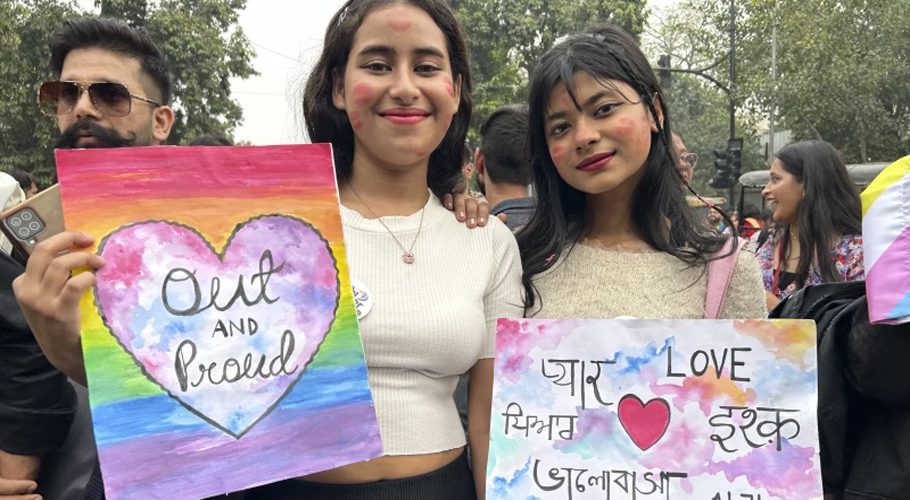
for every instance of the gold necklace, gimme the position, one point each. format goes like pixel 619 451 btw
pixel 407 253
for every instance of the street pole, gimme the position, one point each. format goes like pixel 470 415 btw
pixel 773 90
pixel 732 92
pixel 732 68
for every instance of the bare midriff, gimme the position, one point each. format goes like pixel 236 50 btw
pixel 387 467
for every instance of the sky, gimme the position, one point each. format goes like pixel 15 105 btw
pixel 287 37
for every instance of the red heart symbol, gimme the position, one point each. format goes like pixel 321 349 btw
pixel 644 423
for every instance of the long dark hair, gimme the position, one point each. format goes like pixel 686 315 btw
pixel 326 123
pixel 659 209
pixel 831 207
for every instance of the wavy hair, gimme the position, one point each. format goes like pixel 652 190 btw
pixel 831 207
pixel 658 207
pixel 326 123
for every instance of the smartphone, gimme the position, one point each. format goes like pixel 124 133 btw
pixel 33 221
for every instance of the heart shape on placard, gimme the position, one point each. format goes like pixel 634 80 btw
pixel 228 334
pixel 644 423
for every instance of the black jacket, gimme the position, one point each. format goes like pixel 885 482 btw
pixel 36 402
pixel 863 393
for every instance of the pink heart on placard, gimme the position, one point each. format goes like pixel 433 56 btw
pixel 644 423
pixel 227 334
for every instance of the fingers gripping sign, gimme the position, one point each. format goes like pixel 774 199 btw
pixel 49 295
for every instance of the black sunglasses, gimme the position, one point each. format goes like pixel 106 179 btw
pixel 111 99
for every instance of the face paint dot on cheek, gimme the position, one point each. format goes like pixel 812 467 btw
pixel 363 94
pixel 625 127
pixel 556 154
pixel 356 122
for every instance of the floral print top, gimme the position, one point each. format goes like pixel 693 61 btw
pixel 847 255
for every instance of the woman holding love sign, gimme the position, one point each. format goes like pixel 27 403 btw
pixel 392 93
pixel 612 235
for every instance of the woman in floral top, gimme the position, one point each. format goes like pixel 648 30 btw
pixel 816 211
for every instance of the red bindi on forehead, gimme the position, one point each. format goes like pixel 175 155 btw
pixel 400 24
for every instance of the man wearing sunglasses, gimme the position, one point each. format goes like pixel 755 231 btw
pixel 111 90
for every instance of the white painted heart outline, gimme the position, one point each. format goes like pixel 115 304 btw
pixel 305 280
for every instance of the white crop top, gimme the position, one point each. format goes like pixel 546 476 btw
pixel 430 321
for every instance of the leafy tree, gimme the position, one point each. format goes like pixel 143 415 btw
pixel 206 48
pixel 842 66
pixel 699 110
pixel 27 136
pixel 201 40
pixel 508 37
pixel 843 69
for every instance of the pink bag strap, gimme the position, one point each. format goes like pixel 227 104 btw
pixel 720 272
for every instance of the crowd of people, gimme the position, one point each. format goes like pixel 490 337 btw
pixel 589 174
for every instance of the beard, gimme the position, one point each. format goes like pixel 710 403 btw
pixel 105 137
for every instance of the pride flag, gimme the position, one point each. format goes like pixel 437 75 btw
pixel 886 244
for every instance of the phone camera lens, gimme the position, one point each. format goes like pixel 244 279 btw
pixel 26 216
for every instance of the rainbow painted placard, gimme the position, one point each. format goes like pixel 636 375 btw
pixel 221 342
pixel 886 244
pixel 647 409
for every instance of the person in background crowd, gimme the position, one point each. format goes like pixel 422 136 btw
pixel 612 234
pixel 467 168
pixel 817 214
pixel 26 181
pixel 503 166
pixel 685 161
pixel 751 222
pixel 863 396
pixel 11 194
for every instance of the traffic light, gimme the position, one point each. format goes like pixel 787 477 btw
pixel 735 149
pixel 663 72
pixel 722 177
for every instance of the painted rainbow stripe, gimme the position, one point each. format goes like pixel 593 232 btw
pixel 886 244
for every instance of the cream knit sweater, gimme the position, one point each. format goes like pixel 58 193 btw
pixel 593 282
pixel 430 321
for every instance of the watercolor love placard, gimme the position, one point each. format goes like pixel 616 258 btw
pixel 647 409
pixel 220 341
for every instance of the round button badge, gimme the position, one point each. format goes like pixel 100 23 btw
pixel 363 298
